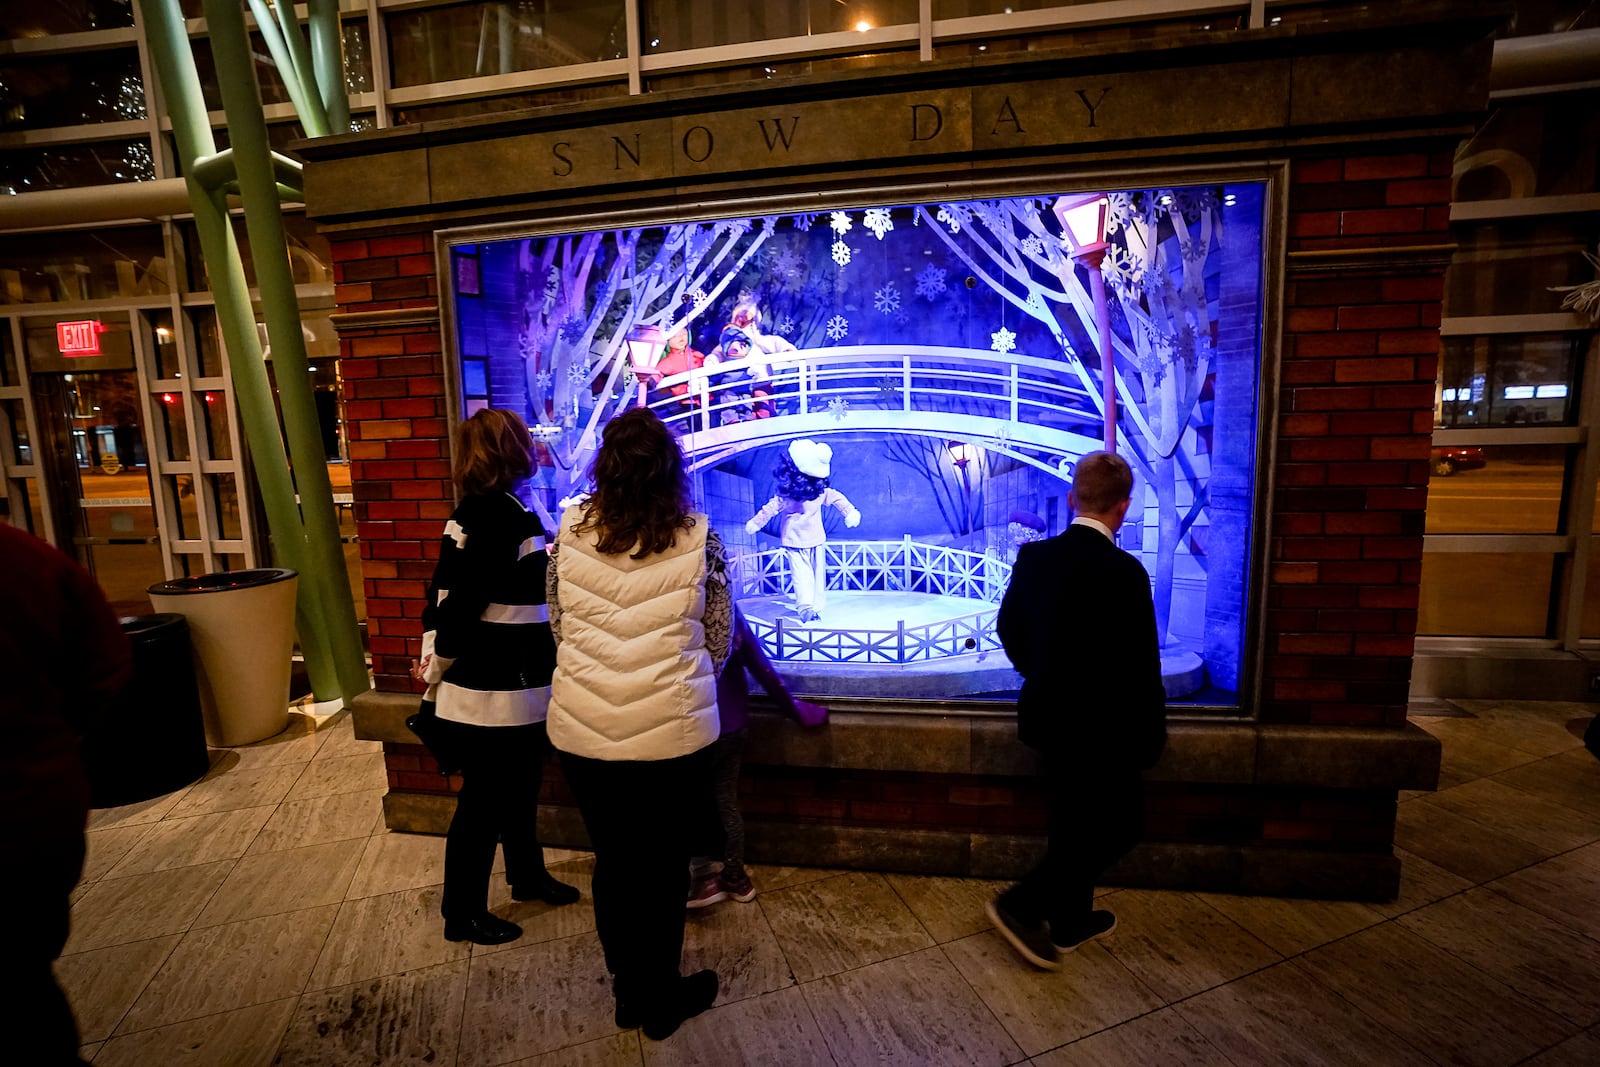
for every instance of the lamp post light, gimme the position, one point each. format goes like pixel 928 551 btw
pixel 1083 225
pixel 961 454
pixel 646 345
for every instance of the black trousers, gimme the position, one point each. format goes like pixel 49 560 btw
pixel 501 770
pixel 1095 818
pixel 644 818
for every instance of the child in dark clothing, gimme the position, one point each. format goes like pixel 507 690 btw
pixel 708 885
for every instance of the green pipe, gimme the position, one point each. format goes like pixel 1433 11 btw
pixel 180 84
pixel 327 62
pixel 300 52
pixel 283 59
pixel 252 156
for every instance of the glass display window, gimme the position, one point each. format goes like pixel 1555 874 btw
pixel 947 353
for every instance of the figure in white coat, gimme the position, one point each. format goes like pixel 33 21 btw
pixel 802 475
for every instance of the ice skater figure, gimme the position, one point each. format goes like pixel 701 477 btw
pixel 802 475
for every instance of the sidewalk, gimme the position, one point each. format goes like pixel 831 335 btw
pixel 264 915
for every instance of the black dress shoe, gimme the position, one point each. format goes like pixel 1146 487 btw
pixel 485 929
pixel 547 889
pixel 693 995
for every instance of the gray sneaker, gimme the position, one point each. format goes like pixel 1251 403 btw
pixel 1099 924
pixel 1031 940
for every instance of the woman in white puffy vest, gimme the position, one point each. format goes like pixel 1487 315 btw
pixel 641 614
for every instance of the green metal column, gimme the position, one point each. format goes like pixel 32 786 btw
pixel 327 62
pixel 247 128
pixel 191 128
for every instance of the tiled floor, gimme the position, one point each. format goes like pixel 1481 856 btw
pixel 265 916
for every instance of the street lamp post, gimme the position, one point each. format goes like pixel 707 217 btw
pixel 645 347
pixel 961 454
pixel 1083 226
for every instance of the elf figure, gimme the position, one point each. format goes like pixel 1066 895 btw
pixel 802 476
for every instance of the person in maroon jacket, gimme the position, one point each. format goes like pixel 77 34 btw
pixel 68 660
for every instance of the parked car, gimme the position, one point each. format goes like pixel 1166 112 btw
pixel 1447 460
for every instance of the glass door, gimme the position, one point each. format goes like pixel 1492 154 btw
pixel 95 452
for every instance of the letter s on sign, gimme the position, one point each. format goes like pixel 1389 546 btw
pixel 556 150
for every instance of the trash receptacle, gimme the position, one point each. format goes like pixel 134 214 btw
pixel 241 624
pixel 152 740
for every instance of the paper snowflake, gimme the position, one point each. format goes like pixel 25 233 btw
pixel 954 216
pixel 786 326
pixel 1032 246
pixel 577 374
pixel 1002 341
pixel 878 221
pixel 698 297
pixel 841 253
pixel 838 328
pixel 786 263
pixel 930 281
pixel 837 407
pixel 889 390
pixel 541 382
pixel 572 330
pixel 901 318
pixel 803 222
pixel 887 299
pixel 840 222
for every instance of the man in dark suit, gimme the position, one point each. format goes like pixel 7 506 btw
pixel 1079 625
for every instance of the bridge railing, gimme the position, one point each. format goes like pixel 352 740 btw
pixel 1014 387
pixel 884 567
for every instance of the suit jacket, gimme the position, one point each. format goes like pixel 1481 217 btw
pixel 1079 624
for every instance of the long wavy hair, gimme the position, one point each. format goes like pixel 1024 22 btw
pixel 494 452
pixel 641 487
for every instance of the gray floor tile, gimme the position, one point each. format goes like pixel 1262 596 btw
pixel 1565 888
pixel 411 1018
pixel 1177 945
pixel 391 862
pixel 184 842
pixel 618 1050
pixel 774 1030
pixel 1572 779
pixel 1294 926
pixel 102 984
pixel 1461 845
pixel 383 935
pixel 284 881
pixel 836 924
pixel 237 787
pixel 1421 883
pixel 106 848
pixel 1583 1050
pixel 736 941
pixel 948 908
pixel 347 774
pixel 340 817
pixel 245 1037
pixel 115 911
pixel 1162 1037
pixel 536 999
pixel 1542 823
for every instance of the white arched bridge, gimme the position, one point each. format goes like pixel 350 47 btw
pixel 1045 413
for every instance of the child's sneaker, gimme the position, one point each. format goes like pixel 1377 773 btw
pixel 706 892
pixel 739 887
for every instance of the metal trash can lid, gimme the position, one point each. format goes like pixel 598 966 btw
pixel 143 627
pixel 221 581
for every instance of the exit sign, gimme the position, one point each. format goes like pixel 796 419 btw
pixel 80 338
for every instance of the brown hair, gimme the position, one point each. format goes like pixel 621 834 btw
pixel 494 452
pixel 641 487
pixel 1101 482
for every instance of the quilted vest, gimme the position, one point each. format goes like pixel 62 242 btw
pixel 633 679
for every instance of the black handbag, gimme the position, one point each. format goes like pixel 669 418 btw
pixel 438 735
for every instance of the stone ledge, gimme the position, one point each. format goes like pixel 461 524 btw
pixel 908 738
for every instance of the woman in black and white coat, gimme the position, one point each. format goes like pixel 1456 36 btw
pixel 489 665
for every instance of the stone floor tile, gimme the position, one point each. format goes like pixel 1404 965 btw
pixel 101 985
pixel 235 788
pixel 540 921
pixel 1544 960
pixel 284 881
pixel 1543 823
pixel 1041 1009
pixel 835 924
pixel 87 1052
pixel 339 739
pixel 1571 779
pixel 1535 736
pixel 736 941
pixel 382 935
pixel 1582 1050
pixel 197 839
pixel 1161 1037
pixel 948 908
pixel 295 744
pixel 618 1050
pixel 770 877
pixel 246 1037
pixel 347 774
pixel 412 1018
pixel 773 1030
pixel 339 817
pixel 222 968
pixel 1421 883
pixel 1293 926
pixel 1433 1000
pixel 1465 757
pixel 1177 945
pixel 1282 1017
pixel 393 861
pixel 1461 845
pixel 115 911
pixel 106 848
pixel 140 813
pixel 536 999
pixel 913 1009
pixel 1565 888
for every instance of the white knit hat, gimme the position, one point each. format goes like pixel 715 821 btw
pixel 810 457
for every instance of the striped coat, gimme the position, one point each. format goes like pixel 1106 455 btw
pixel 492 650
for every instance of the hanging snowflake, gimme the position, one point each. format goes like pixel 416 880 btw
pixel 786 327
pixel 837 407
pixel 1002 341
pixel 954 216
pixel 698 297
pixel 541 382
pixel 601 290
pixel 572 330
pixel 577 374
pixel 803 222
pixel 838 328
pixel 840 222
pixel 1032 246
pixel 887 299
pixel 786 263
pixel 878 221
pixel 930 281
pixel 889 390
pixel 841 253
pixel 1118 211
pixel 901 318
pixel 989 214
